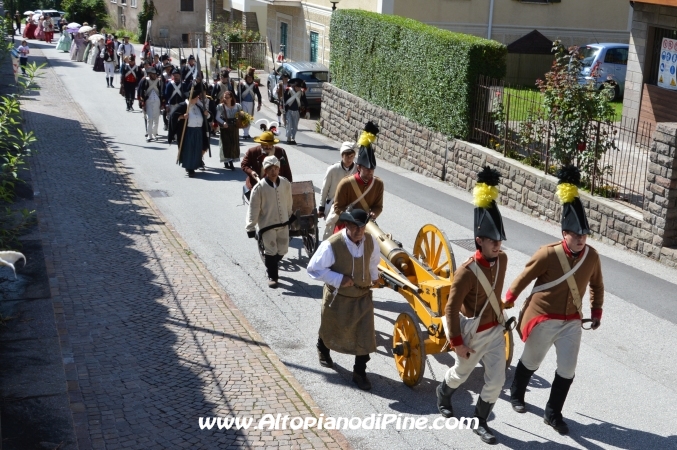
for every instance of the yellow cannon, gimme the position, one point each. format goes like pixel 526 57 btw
pixel 424 279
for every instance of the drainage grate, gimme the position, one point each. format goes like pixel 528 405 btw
pixel 468 244
pixel 158 193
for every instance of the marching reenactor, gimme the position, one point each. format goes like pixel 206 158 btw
pixel 225 84
pixel 363 190
pixel 553 312
pixel 252 163
pixel 335 173
pixel 151 101
pixel 294 101
pixel 195 141
pixel 130 76
pixel 109 61
pixel 270 211
pixel 347 263
pixel 173 96
pixel 280 89
pixel 189 73
pixel 474 319
pixel 247 89
pixel 125 50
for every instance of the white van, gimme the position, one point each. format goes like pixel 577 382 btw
pixel 608 62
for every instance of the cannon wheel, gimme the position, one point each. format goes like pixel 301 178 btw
pixel 509 347
pixel 411 363
pixel 433 248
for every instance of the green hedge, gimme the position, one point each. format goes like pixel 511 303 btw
pixel 418 71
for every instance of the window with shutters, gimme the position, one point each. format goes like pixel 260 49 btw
pixel 283 38
pixel 186 5
pixel 314 39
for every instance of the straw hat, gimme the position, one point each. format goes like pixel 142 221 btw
pixel 266 137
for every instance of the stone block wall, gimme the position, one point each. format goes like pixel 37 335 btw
pixel 524 188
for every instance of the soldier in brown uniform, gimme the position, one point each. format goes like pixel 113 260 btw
pixel 474 312
pixel 552 314
pixel 347 263
pixel 362 190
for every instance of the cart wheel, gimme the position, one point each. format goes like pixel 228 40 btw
pixel 509 347
pixel 432 247
pixel 309 243
pixel 408 350
pixel 262 251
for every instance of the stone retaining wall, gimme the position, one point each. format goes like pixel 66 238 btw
pixel 524 188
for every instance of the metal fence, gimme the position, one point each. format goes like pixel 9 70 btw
pixel 504 119
pixel 243 54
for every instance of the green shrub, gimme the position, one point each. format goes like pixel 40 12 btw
pixel 416 70
pixel 90 11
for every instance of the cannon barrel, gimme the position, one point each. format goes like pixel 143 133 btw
pixel 390 249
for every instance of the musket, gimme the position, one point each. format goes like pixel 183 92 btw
pixel 185 123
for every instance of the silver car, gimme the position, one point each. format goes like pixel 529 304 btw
pixel 313 74
pixel 605 64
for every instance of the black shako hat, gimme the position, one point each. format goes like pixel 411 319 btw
pixel 573 213
pixel 191 57
pixel 357 216
pixel 365 153
pixel 488 222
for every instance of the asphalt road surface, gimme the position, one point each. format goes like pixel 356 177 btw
pixel 624 393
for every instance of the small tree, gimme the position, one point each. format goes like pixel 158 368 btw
pixel 576 119
pixel 147 13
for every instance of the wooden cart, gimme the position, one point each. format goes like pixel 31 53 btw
pixel 423 278
pixel 305 210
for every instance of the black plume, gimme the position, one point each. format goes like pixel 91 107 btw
pixel 489 176
pixel 371 127
pixel 263 127
pixel 569 174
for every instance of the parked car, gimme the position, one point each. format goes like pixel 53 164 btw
pixel 313 74
pixel 605 64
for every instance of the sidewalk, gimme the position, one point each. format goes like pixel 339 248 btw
pixel 149 340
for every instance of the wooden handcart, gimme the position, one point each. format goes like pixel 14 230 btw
pixel 423 277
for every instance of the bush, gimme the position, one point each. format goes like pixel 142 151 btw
pixel 90 11
pixel 147 13
pixel 421 72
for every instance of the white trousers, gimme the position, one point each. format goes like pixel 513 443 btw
pixel 276 241
pixel 565 335
pixel 152 116
pixel 292 124
pixel 110 69
pixel 489 346
pixel 247 107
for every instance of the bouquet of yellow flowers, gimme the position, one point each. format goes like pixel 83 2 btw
pixel 243 119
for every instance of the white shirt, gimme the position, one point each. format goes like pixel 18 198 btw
pixel 126 50
pixel 335 173
pixel 319 265
pixel 194 116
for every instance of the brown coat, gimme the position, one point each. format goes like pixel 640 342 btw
pixel 556 302
pixel 253 163
pixel 468 297
pixel 345 195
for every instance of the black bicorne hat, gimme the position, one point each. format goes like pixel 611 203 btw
pixel 488 222
pixel 573 212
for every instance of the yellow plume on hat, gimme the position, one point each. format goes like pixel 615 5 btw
pixel 483 195
pixel 566 192
pixel 366 139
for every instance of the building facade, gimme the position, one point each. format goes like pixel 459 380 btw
pixel 651 81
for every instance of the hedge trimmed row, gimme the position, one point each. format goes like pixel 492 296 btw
pixel 416 70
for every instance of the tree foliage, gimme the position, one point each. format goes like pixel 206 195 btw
pixel 418 71
pixel 90 11
pixel 147 13
pixel 222 32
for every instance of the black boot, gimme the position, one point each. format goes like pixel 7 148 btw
pixel 271 269
pixel 553 410
pixel 519 387
pixel 111 82
pixel 444 393
pixel 482 411
pixel 324 354
pixel 107 82
pixel 360 372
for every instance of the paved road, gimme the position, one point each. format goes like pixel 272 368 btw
pixel 624 395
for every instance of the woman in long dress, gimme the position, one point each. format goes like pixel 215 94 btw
pixel 81 42
pixel 98 59
pixel 65 41
pixel 88 48
pixel 40 33
pixel 229 140
pixel 196 139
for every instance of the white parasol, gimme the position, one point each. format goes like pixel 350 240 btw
pixel 86 29
pixel 29 13
pixel 95 37
pixel 73 25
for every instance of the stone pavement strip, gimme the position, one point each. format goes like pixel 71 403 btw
pixel 150 342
